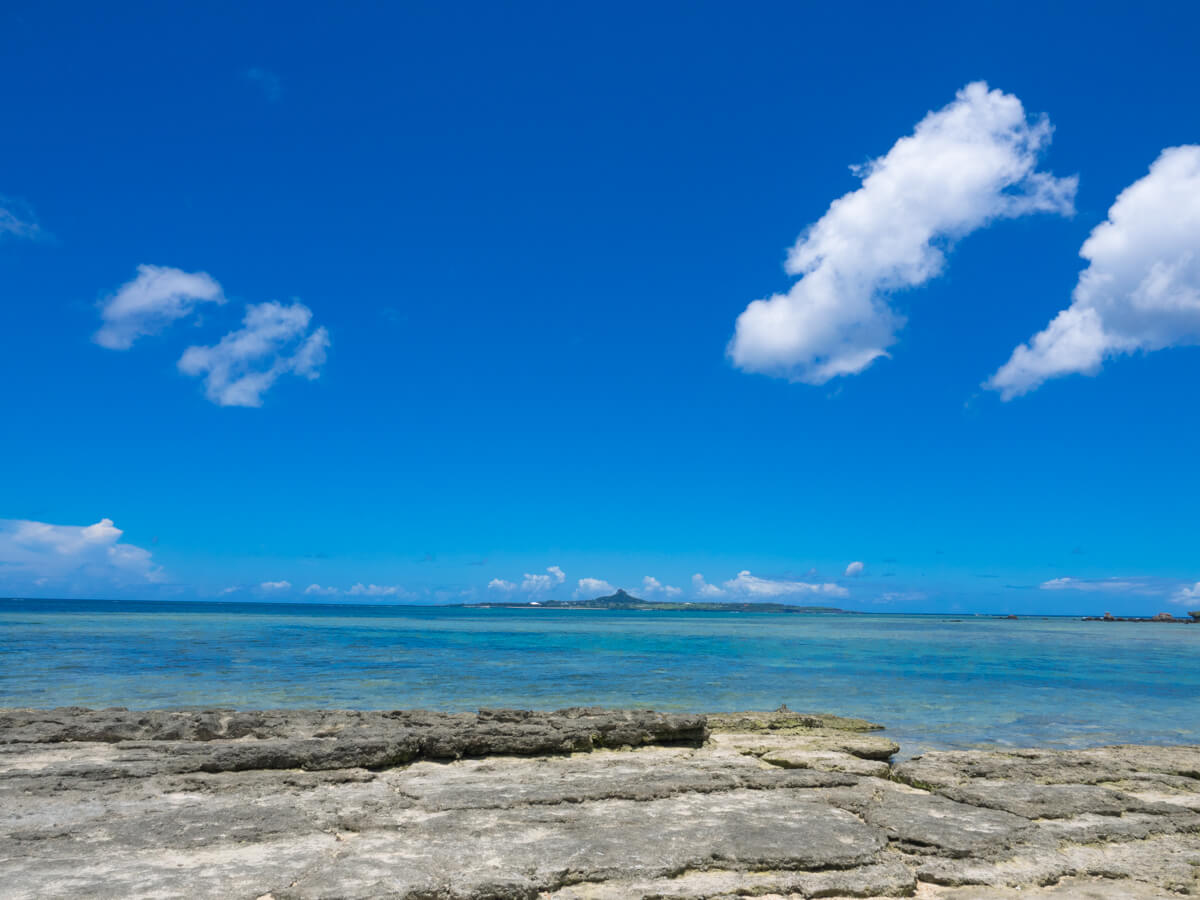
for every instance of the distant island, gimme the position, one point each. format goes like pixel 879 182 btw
pixel 623 600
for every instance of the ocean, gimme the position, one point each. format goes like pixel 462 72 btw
pixel 936 682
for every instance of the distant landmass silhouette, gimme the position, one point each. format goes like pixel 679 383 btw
pixel 624 600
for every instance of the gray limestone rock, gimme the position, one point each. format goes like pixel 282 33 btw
pixel 1097 765
pixel 571 805
pixel 785 721
pixel 341 738
pixel 1046 801
pixel 864 746
pixel 1066 889
pixel 825 761
pixel 929 824
pixel 889 878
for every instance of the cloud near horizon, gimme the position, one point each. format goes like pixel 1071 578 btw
pixel 39 552
pixel 375 590
pixel 651 585
pixel 156 298
pixel 1141 289
pixel 964 166
pixel 531 583
pixel 591 588
pixel 535 584
pixel 753 586
pixel 273 341
pixel 1187 594
pixel 703 589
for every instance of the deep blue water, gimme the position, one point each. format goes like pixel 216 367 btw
pixel 935 681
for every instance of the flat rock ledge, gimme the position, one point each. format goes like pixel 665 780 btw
pixel 580 803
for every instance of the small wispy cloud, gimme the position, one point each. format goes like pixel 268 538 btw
pixel 267 81
pixel 276 585
pixel 855 568
pixel 274 340
pixel 900 597
pixel 499 584
pixel 1101 585
pixel 157 297
pixel 316 589
pixel 17 220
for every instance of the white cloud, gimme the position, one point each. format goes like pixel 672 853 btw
pixel 964 166
pixel 1188 594
pixel 855 568
pixel 533 584
pixel 82 554
pixel 591 588
pixel 158 296
pixel 753 586
pixel 323 591
pixel 499 584
pixel 276 585
pixel 1141 289
pixel 703 588
pixel 651 585
pixel 374 590
pixel 273 341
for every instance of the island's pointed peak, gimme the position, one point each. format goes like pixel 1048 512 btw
pixel 621 596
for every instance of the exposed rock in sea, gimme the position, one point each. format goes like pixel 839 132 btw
pixel 1157 617
pixel 573 805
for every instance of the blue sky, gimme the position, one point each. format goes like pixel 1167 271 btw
pixel 481 267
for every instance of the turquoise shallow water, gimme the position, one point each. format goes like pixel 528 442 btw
pixel 936 682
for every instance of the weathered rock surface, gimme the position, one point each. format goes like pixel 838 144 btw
pixel 572 805
pixel 825 761
pixel 785 721
pixel 335 739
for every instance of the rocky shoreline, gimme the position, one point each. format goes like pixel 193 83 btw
pixel 581 803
